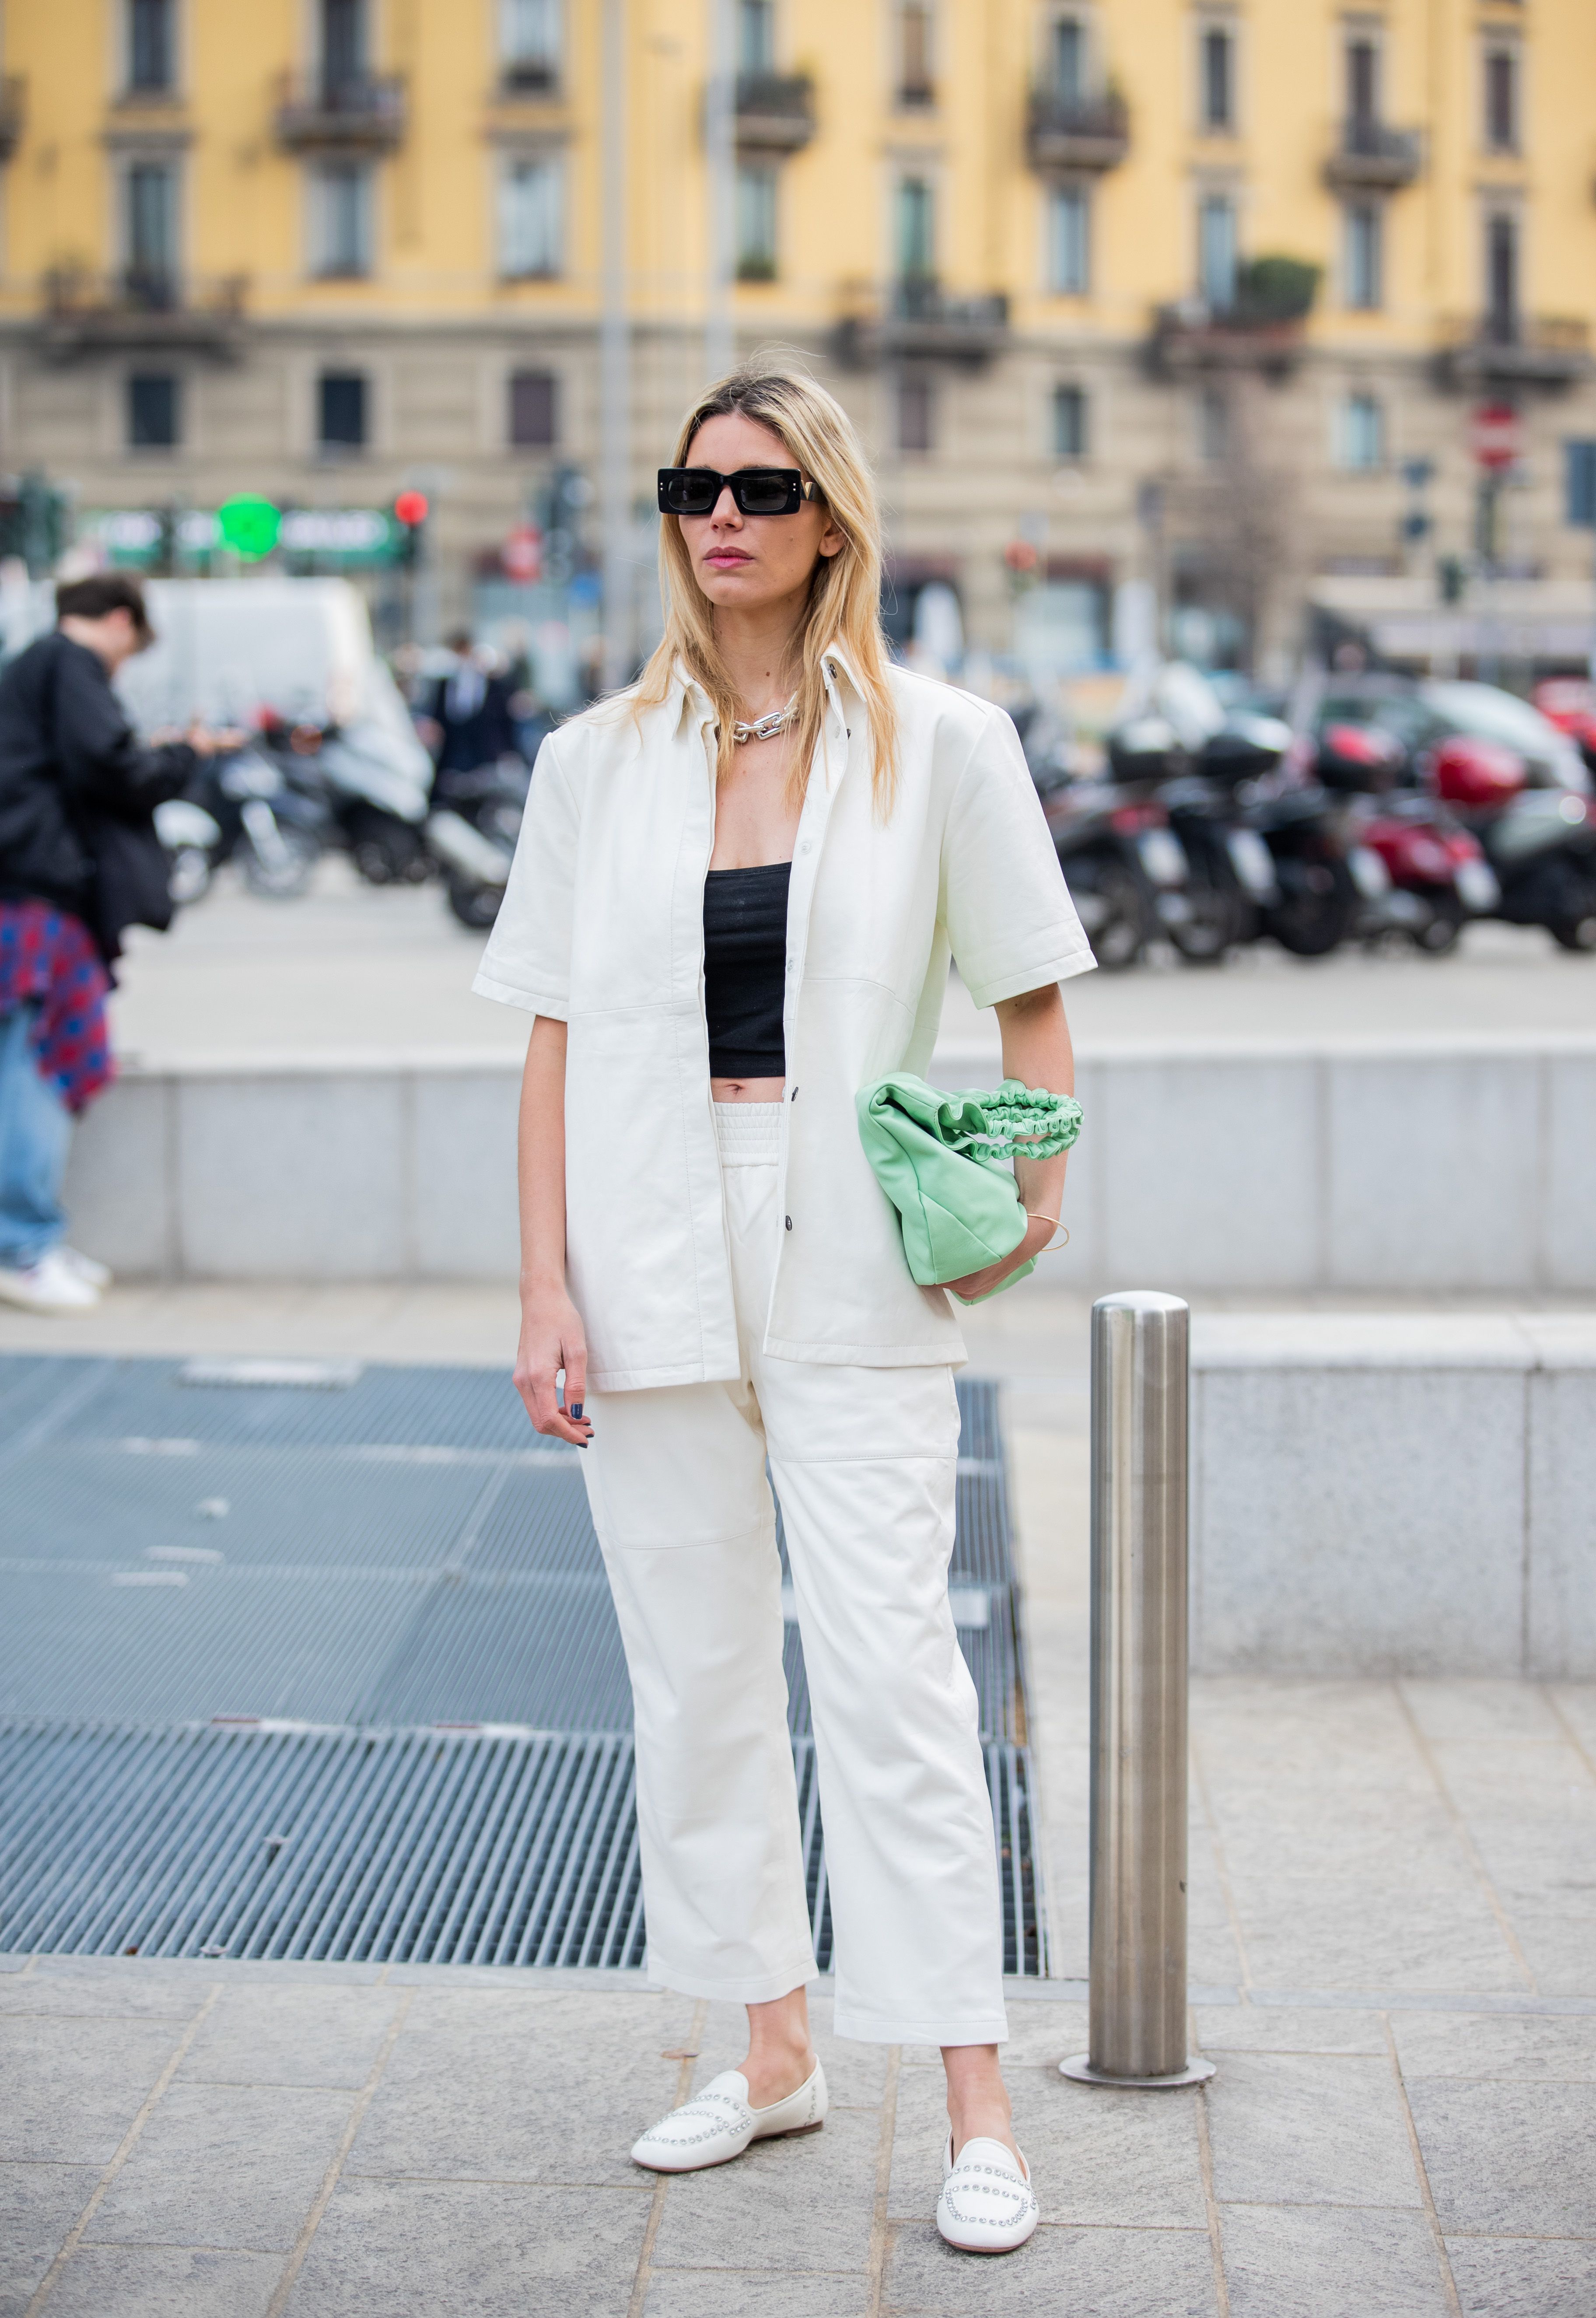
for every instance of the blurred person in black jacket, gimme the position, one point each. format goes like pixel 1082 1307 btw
pixel 79 862
pixel 466 719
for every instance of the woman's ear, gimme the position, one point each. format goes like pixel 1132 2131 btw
pixel 833 540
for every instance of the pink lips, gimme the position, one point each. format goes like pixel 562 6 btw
pixel 728 557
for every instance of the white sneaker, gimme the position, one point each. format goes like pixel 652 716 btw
pixel 88 1267
pixel 987 2203
pixel 50 1285
pixel 717 2125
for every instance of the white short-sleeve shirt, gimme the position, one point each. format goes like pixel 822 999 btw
pixel 602 927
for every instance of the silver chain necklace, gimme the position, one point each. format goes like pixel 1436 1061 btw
pixel 765 728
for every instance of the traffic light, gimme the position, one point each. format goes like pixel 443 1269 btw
pixel 409 515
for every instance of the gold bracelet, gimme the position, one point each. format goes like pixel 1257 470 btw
pixel 1054 1247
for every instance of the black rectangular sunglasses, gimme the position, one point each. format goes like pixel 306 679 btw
pixel 755 491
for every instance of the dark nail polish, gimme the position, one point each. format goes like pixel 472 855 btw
pixel 575 1409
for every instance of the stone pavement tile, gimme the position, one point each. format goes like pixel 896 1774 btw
pixel 1303 1933
pixel 1286 2028
pixel 97 1995
pixel 1299 2130
pixel 1524 2278
pixel 166 2282
pixel 277 2036
pixel 38 2205
pixel 1098 2158
pixel 496 2085
pixel 1495 1711
pixel 73 2086
pixel 1559 1945
pixel 740 2293
pixel 1106 2273
pixel 11 1962
pixel 1577 1707
pixel 220 2165
pixel 1317 2261
pixel 1560 2048
pixel 803 2202
pixel 1513 2160
pixel 472 2250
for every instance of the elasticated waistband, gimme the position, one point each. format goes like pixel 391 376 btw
pixel 749 1133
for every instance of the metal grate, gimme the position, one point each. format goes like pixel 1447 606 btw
pixel 372 1559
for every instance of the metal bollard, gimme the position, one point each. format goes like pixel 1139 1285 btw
pixel 1139 1367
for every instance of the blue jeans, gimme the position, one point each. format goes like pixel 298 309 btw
pixel 35 1134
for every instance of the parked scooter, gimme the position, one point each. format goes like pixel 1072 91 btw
pixel 471 832
pixel 270 829
pixel 1439 873
pixel 1126 871
pixel 1539 842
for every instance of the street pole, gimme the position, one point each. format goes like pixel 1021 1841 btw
pixel 720 155
pixel 614 363
pixel 1139 1387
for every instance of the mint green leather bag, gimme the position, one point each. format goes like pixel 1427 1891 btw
pixel 945 1161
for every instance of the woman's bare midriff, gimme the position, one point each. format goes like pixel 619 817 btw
pixel 747 1090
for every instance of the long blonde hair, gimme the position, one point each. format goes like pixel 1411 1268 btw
pixel 844 606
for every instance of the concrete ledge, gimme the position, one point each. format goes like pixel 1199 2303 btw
pixel 1445 1166
pixel 1384 1493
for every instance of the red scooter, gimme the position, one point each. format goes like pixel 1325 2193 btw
pixel 1539 842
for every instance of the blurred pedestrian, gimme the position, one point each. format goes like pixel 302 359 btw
pixel 79 863
pixel 466 719
pixel 732 907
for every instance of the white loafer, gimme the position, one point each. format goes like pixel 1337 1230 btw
pixel 987 2203
pixel 717 2125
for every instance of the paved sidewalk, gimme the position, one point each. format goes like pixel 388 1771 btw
pixel 1394 1962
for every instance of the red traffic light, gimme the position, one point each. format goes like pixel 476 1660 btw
pixel 410 507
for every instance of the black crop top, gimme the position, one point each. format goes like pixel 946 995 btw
pixel 745 962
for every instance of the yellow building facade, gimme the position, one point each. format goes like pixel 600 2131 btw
pixel 1151 310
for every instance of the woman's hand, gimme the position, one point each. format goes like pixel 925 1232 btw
pixel 552 1338
pixel 974 1284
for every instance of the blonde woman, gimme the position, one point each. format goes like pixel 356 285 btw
pixel 732 907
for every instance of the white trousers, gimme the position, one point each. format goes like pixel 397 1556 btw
pixel 864 1462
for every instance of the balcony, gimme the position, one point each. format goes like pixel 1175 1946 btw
pixel 917 320
pixel 1077 133
pixel 1190 338
pixel 1507 351
pixel 12 112
pixel 1372 158
pixel 141 309
pixel 775 112
pixel 529 80
pixel 360 114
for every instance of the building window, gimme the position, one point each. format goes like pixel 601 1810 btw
pixel 529 44
pixel 1069 241
pixel 1217 106
pixel 1068 60
pixel 535 409
pixel 341 411
pixel 342 44
pixel 1501 279
pixel 1069 422
pixel 915 412
pixel 153 412
pixel 530 224
pixel 1579 484
pixel 916 239
pixel 756 36
pixel 914 52
pixel 1213 426
pixel 1363 87
pixel 1502 100
pixel 1363 432
pixel 340 220
pixel 151 63
pixel 150 232
pixel 755 224
pixel 1363 237
pixel 1216 251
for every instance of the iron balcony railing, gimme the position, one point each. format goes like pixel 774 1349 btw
pixel 141 306
pixel 13 113
pixel 364 111
pixel 774 110
pixel 1371 154
pixel 1066 132
pixel 1505 347
pixel 915 317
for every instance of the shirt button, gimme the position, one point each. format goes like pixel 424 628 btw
pixel 807 846
pixel 789 1223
